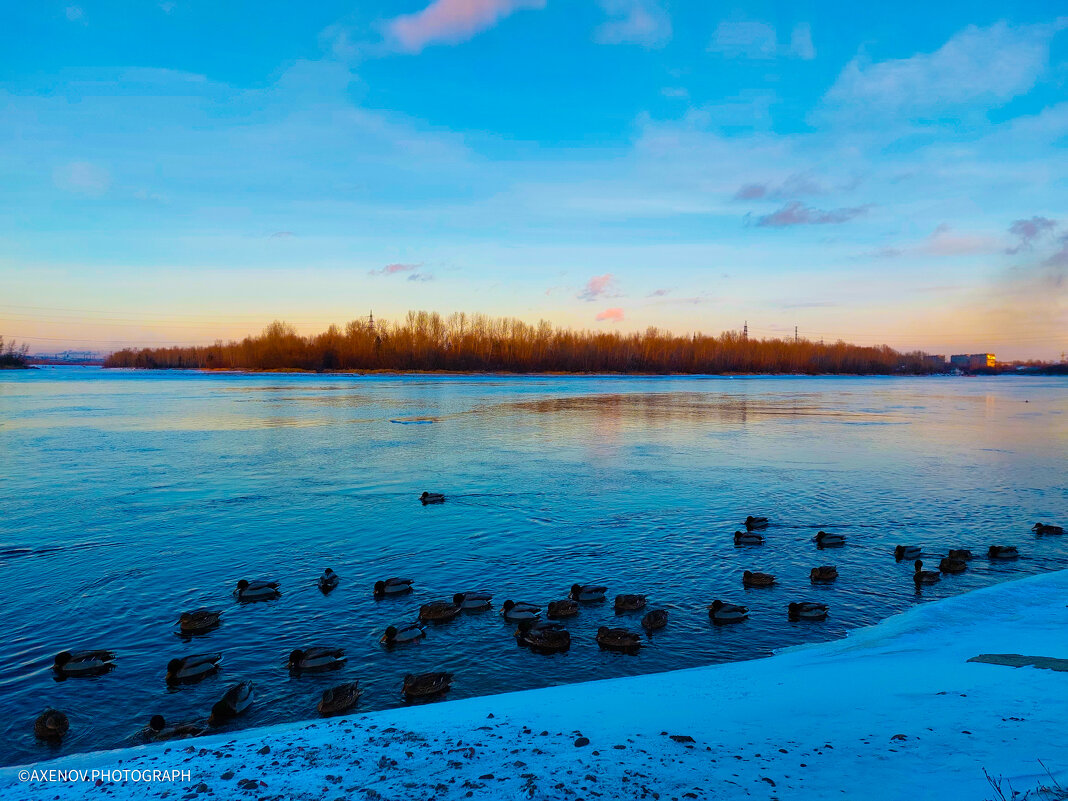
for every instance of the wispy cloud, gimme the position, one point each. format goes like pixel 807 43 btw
pixel 658 293
pixel 794 186
pixel 613 315
pixel 640 22
pixel 1028 232
pixel 82 178
pixel 451 21
pixel 944 241
pixel 75 14
pixel 393 269
pixel 282 235
pixel 420 277
pixel 797 213
pixel 599 286
pixel 760 40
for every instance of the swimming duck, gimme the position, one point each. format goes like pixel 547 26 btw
pixel 748 538
pixel 629 603
pixel 473 601
pixel 823 575
pixel 755 523
pixel 654 619
pixel 157 729
pixel 1046 528
pixel 432 497
pixel 618 639
pixel 83 663
pixel 902 552
pixel 922 576
pixel 393 586
pixel 234 701
pixel 546 638
pixel 51 725
pixel 751 579
pixel 192 668
pixel 807 610
pixel 438 612
pixel 256 590
pixel 328 580
pixel 960 553
pixel 316 658
pixel 199 621
pixel 562 609
pixel 339 699
pixel 727 613
pixel 409 633
pixel 824 539
pixel 951 565
pixel 519 610
pixel 587 592
pixel 424 685
pixel 1003 552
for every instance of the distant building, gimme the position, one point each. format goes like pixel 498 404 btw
pixel 959 360
pixel 972 361
pixel 937 362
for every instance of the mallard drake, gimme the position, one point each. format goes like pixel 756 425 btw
pixel 823 574
pixel 902 552
pixel 438 612
pixel 654 619
pixel 519 610
pixel 824 539
pixel 807 610
pixel 546 638
pixel 426 684
pixel 339 699
pixel 748 538
pixel 51 725
pixel 751 579
pixel 432 497
pixel 234 702
pixel 83 663
pixel 1046 528
pixel 721 612
pixel 393 586
pixel 473 601
pixel 1003 552
pixel 409 633
pixel 922 576
pixel 192 668
pixel 562 609
pixel 951 565
pixel 587 592
pixel 316 658
pixel 629 603
pixel 199 621
pixel 328 580
pixel 618 639
pixel 256 590
pixel 960 553
pixel 755 523
pixel 157 729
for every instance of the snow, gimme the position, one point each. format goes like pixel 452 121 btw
pixel 814 722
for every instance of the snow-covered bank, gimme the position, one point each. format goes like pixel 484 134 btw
pixel 894 711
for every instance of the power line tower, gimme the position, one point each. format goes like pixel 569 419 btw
pixel 371 320
pixel 745 330
pixel 795 334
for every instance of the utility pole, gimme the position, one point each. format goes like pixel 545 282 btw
pixel 795 334
pixel 371 320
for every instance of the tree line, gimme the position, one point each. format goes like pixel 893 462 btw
pixel 13 355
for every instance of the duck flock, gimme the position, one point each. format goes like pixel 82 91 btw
pixel 546 635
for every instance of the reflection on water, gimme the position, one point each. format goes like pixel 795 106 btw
pixel 127 498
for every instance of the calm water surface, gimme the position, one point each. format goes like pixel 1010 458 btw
pixel 127 497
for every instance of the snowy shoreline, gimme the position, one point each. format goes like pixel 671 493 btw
pixel 893 711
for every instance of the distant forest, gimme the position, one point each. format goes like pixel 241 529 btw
pixel 475 343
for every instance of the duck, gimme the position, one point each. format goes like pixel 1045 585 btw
pixel 192 668
pixel 902 552
pixel 519 610
pixel 257 590
pixel 618 639
pixel 751 579
pixel 748 538
pixel 316 658
pixel 951 565
pixel 339 699
pixel 1003 552
pixel 755 523
pixel 51 725
pixel 587 592
pixel 823 574
pixel 83 663
pixel 1046 528
pixel 432 497
pixel 960 553
pixel 234 702
pixel 392 586
pixel 438 612
pixel 328 580
pixel 409 633
pixel 629 603
pixel 199 621
pixel 423 685
pixel 473 601
pixel 721 612
pixel 654 619
pixel 825 539
pixel 807 610
pixel 922 576
pixel 546 638
pixel 157 729
pixel 562 608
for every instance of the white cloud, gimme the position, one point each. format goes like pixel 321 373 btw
pixel 760 40
pixel 82 178
pixel 451 21
pixel 640 22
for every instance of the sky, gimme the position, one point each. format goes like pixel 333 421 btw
pixel 184 171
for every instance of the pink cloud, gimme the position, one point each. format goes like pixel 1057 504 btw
pixel 611 315
pixel 598 286
pixel 451 21
pixel 796 213
pixel 393 269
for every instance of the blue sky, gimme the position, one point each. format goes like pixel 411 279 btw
pixel 181 171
